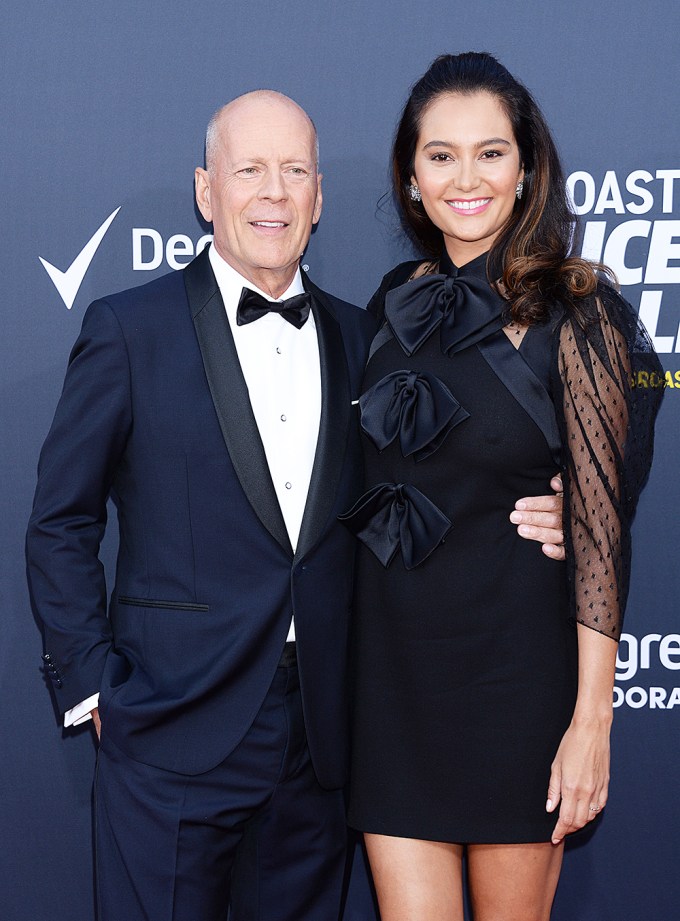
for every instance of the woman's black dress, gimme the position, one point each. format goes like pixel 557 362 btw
pixel 464 646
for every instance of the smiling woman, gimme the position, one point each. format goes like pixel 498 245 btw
pixel 468 170
pixel 482 712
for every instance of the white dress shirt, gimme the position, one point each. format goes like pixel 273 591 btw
pixel 281 368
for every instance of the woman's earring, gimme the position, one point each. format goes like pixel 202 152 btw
pixel 520 188
pixel 414 192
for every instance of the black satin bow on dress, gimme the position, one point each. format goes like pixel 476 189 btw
pixel 413 405
pixel 393 516
pixel 252 306
pixel 465 308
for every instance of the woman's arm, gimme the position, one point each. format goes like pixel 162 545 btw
pixel 579 780
pixel 594 371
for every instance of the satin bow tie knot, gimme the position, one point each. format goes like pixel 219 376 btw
pixel 252 306
pixel 410 382
pixel 446 303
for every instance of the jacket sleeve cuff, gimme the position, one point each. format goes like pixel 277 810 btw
pixel 81 712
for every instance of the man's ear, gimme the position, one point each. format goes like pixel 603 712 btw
pixel 202 186
pixel 319 200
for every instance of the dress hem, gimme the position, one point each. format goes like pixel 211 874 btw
pixel 425 834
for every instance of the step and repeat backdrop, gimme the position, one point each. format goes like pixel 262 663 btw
pixel 104 108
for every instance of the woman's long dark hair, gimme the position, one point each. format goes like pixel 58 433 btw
pixel 531 255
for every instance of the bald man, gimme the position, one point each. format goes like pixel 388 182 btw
pixel 215 406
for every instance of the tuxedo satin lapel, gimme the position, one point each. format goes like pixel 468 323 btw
pixel 230 396
pixel 333 429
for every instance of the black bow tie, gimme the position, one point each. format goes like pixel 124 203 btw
pixel 252 306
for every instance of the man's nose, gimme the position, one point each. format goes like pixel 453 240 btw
pixel 273 186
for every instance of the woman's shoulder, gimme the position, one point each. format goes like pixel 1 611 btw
pixel 604 306
pixel 605 327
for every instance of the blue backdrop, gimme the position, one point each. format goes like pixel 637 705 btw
pixel 104 108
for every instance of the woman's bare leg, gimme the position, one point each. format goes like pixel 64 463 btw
pixel 416 880
pixel 513 882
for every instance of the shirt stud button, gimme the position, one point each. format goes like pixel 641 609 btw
pixel 289 485
pixel 283 418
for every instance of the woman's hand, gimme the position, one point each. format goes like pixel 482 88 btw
pixel 579 780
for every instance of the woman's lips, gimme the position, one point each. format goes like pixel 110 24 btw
pixel 468 206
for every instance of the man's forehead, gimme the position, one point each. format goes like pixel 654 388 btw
pixel 275 138
pixel 265 119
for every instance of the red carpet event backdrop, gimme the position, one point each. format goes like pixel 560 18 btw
pixel 104 108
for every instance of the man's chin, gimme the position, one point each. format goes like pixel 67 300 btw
pixel 276 260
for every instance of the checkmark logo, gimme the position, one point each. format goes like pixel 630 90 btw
pixel 67 283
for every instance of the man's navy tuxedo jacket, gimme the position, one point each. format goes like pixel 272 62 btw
pixel 155 414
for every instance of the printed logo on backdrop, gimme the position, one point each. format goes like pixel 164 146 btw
pixel 149 252
pixel 643 251
pixel 636 658
pixel 68 282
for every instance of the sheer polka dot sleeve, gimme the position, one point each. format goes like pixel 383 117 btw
pixel 611 387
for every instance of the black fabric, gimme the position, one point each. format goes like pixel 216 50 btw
pixel 461 306
pixel 529 383
pixel 415 407
pixel 232 403
pixel 334 425
pixel 608 383
pixel 466 664
pixel 395 516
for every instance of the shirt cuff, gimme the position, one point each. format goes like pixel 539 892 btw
pixel 81 712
